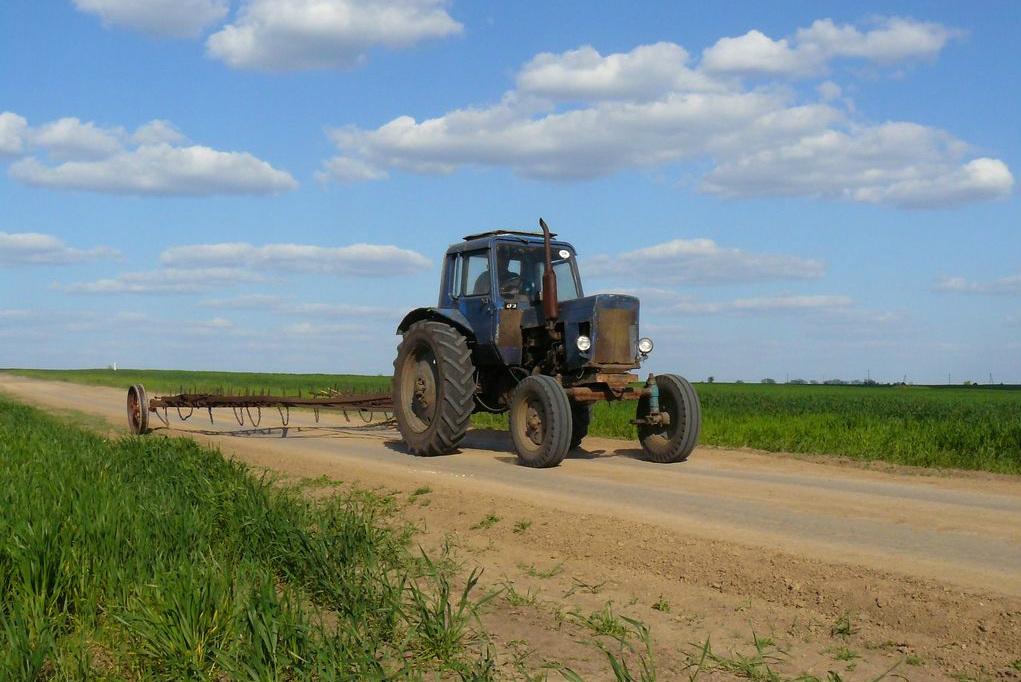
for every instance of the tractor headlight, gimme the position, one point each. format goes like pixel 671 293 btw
pixel 584 343
pixel 645 345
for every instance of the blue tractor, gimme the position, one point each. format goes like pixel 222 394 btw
pixel 513 331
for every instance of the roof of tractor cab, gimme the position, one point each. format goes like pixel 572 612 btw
pixel 484 240
pixel 494 233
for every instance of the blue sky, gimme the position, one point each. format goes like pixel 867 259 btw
pixel 807 189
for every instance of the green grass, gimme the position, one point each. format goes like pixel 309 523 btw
pixel 153 558
pixel 952 427
pixel 963 428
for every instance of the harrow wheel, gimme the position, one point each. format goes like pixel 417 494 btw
pixel 433 388
pixel 540 421
pixel 674 441
pixel 138 410
pixel 581 417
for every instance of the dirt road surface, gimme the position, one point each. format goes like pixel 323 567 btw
pixel 832 566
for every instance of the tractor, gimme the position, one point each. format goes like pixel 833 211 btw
pixel 513 332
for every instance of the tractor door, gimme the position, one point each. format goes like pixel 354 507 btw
pixel 474 298
pixel 515 289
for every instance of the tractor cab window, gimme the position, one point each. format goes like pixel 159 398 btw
pixel 520 268
pixel 475 277
pixel 567 285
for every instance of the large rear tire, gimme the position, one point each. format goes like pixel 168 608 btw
pixel 433 388
pixel 581 417
pixel 540 421
pixel 674 442
pixel 138 410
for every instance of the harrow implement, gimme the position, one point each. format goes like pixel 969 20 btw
pixel 247 409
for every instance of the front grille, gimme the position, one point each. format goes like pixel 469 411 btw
pixel 616 330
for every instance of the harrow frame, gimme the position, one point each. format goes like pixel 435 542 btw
pixel 139 406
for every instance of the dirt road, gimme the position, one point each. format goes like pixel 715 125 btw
pixel 841 567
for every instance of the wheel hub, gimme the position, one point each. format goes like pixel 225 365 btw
pixel 423 399
pixel 533 424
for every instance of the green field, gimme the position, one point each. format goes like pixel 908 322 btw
pixel 955 427
pixel 159 559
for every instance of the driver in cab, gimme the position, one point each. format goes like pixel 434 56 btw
pixel 510 282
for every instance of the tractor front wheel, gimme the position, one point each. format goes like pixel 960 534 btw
pixel 433 388
pixel 674 441
pixel 540 421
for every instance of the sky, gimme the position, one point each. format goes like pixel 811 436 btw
pixel 802 189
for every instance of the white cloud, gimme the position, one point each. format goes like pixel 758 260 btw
pixel 161 170
pixel 1011 284
pixel 580 143
pixel 754 52
pixel 150 161
pixel 164 281
pixel 171 18
pixel 69 138
pixel 157 131
pixel 32 248
pixel 13 129
pixel 580 115
pixel 701 261
pixel 646 72
pixel 284 35
pixel 360 260
pixel 764 305
pixel 903 164
pixel 810 50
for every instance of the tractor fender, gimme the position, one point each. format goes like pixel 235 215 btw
pixel 451 316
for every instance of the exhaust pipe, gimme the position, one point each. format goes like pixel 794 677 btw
pixel 550 304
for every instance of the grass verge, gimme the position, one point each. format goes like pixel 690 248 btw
pixel 159 559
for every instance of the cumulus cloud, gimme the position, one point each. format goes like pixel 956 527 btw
pixel 579 115
pixel 1011 284
pixel 810 50
pixel 284 35
pixel 13 130
pixel 165 281
pixel 153 160
pixel 169 18
pixel 359 260
pixel 32 248
pixel 157 131
pixel 646 72
pixel 903 164
pixel 701 261
pixel 69 138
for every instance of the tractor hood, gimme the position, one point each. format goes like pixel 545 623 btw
pixel 611 323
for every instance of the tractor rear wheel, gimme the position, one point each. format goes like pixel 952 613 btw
pixel 675 441
pixel 433 388
pixel 540 421
pixel 138 410
pixel 581 417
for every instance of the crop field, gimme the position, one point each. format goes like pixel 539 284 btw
pixel 159 559
pixel 954 427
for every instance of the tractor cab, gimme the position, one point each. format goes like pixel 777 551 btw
pixel 495 280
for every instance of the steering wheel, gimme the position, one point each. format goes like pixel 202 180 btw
pixel 511 287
